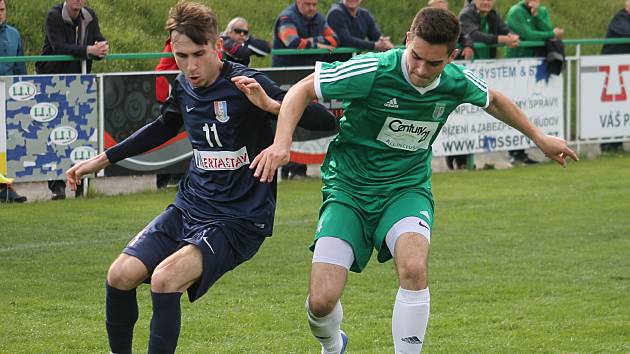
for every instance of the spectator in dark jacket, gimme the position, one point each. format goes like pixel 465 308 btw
pixel 239 44
pixel 70 29
pixel 355 27
pixel 10 45
pixel 619 27
pixel 300 26
pixel 483 24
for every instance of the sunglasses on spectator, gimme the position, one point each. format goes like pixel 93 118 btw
pixel 241 31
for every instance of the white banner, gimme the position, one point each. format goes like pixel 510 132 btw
pixel 604 99
pixel 470 129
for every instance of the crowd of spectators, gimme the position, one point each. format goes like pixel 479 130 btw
pixel 72 28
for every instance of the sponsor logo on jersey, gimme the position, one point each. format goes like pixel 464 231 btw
pixel 221 160
pixel 22 91
pixel 44 112
pixel 407 134
pixel 63 135
pixel 439 110
pixel 221 111
pixel 391 103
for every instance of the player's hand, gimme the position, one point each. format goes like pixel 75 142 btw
pixel 82 168
pixel 267 162
pixel 556 149
pixel 255 93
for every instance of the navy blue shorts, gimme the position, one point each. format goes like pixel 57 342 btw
pixel 223 244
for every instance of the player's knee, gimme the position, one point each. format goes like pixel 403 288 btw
pixel 162 282
pixel 413 274
pixel 122 278
pixel 321 304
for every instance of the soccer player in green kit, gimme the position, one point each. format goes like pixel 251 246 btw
pixel 377 187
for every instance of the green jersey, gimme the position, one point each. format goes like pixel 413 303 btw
pixel 389 124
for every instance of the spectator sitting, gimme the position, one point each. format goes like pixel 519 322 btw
pixel 69 29
pixel 10 45
pixel 7 193
pixel 239 45
pixel 353 24
pixel 300 26
pixel 619 27
pixel 530 20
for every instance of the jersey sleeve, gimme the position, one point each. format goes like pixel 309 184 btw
pixel 163 128
pixel 476 90
pixel 315 117
pixel 352 79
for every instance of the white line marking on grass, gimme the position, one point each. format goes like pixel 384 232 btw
pixel 59 244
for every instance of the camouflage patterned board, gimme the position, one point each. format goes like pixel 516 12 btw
pixel 51 122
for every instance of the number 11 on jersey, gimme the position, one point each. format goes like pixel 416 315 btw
pixel 212 129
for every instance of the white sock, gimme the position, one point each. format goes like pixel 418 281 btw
pixel 410 319
pixel 327 329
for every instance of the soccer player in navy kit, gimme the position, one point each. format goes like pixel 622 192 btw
pixel 221 213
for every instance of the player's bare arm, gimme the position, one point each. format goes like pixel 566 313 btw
pixel 502 108
pixel 276 155
pixel 76 172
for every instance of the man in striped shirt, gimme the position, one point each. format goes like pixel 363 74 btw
pixel 377 187
pixel 300 26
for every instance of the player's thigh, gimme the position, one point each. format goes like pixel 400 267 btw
pixel 345 221
pixel 158 240
pixel 178 271
pixel 409 211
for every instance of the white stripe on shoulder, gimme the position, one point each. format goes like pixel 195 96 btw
pixel 350 74
pixel 482 86
pixel 352 62
pixel 328 74
pixel 474 78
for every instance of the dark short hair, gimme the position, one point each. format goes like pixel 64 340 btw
pixel 436 26
pixel 195 20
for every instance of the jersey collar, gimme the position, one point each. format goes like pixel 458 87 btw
pixel 422 90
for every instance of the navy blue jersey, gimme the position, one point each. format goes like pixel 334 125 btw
pixel 226 132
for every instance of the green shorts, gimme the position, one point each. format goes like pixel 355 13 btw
pixel 363 220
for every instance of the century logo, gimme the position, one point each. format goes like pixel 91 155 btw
pixel 44 112
pixel 63 135
pixel 397 125
pixel 82 153
pixel 22 91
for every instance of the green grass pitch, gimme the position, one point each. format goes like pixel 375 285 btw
pixel 527 260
